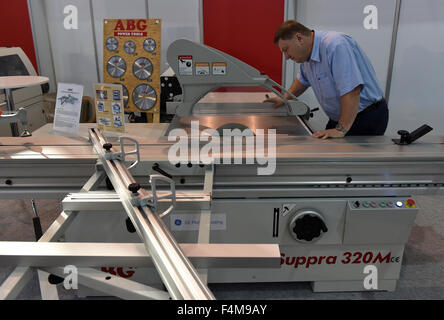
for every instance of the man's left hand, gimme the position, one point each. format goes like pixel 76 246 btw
pixel 330 133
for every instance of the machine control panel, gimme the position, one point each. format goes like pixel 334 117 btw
pixel 369 203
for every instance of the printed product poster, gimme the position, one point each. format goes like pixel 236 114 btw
pixel 109 107
pixel 68 107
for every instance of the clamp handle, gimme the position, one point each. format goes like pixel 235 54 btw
pixel 408 137
pixel 172 195
pixel 123 153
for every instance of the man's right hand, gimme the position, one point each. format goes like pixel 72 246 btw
pixel 277 102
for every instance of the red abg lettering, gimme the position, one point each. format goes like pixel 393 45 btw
pixel 119 25
pixel 109 270
pixel 141 24
pixel 130 25
pixel 119 271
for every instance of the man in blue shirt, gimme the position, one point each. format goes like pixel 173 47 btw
pixel 341 76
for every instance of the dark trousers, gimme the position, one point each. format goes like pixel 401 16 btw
pixel 372 121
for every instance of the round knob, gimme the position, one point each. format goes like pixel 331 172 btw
pixel 134 187
pixel 405 136
pixel 306 226
pixel 403 132
pixel 107 146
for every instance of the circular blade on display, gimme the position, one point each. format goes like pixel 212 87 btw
pixel 111 43
pixel 149 45
pixel 144 97
pixel 116 67
pixel 142 68
pixel 129 47
pixel 125 96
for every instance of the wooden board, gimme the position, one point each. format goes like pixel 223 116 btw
pixel 123 40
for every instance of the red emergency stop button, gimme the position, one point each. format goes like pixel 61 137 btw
pixel 410 203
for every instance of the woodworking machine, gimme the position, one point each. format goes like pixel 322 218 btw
pixel 323 211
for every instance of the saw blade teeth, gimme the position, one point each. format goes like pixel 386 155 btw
pixel 125 94
pixel 116 67
pixel 144 97
pixel 142 68
pixel 129 47
pixel 149 45
pixel 111 43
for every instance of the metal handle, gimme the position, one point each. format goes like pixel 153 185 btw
pixel 172 195
pixel 123 153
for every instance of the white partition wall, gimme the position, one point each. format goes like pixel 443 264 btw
pixel 180 19
pixel 417 91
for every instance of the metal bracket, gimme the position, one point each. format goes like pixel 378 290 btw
pixel 152 200
pixel 121 156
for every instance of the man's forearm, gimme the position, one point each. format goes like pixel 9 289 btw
pixel 296 88
pixel 349 108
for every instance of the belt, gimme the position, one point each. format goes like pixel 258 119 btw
pixel 372 106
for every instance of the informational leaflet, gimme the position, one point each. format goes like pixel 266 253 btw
pixel 68 107
pixel 109 107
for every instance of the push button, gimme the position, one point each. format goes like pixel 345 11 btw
pixel 410 203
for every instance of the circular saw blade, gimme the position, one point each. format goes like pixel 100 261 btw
pixel 116 67
pixel 142 68
pixel 149 45
pixel 111 43
pixel 129 46
pixel 125 96
pixel 144 97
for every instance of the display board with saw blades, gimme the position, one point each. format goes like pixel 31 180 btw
pixel 131 57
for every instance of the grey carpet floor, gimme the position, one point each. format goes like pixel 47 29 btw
pixel 422 272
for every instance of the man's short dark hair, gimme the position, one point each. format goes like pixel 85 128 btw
pixel 287 30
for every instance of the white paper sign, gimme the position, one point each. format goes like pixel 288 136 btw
pixel 68 107
pixel 185 65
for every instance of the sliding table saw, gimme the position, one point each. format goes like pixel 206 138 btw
pixel 323 211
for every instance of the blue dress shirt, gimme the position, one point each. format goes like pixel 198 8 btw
pixel 337 66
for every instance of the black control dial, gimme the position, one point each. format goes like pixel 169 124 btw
pixel 308 227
